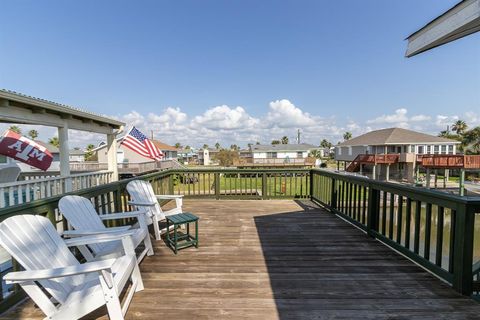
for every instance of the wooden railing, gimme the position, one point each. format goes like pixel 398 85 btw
pixel 275 161
pixel 440 237
pixel 434 229
pixel 43 186
pixel 451 161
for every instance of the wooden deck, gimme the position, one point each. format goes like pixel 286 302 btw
pixel 279 259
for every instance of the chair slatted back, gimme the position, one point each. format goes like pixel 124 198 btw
pixel 81 215
pixel 35 244
pixel 142 191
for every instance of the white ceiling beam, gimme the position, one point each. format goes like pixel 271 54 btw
pixel 460 21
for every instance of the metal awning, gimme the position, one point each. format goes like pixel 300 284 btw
pixel 20 108
pixel 460 21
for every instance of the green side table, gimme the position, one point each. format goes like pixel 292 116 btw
pixel 179 240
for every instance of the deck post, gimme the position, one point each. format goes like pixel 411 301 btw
pixel 264 186
pixel 461 183
pixel 333 194
pixel 428 179
pixel 436 179
pixel 373 210
pixel 217 185
pixel 361 169
pixel 64 156
pixel 463 249
pixel 112 155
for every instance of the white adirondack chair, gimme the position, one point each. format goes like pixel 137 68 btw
pixel 143 197
pixel 83 217
pixel 55 280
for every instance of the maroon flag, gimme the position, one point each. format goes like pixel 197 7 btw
pixel 25 150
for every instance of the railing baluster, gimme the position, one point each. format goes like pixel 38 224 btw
pixel 428 228
pixel 439 240
pixel 408 217
pixel 399 219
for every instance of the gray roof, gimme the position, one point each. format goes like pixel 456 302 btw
pixel 283 147
pixel 394 136
pixel 58 108
pixel 50 147
pixel 76 152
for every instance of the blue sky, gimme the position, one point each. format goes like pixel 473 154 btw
pixel 241 71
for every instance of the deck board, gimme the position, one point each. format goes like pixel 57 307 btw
pixel 279 259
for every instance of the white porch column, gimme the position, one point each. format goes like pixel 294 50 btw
pixel 387 173
pixel 64 156
pixel 112 155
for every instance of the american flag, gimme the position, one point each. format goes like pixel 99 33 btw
pixel 139 143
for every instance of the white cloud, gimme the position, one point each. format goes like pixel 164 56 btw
pixel 226 118
pixel 285 114
pixel 229 125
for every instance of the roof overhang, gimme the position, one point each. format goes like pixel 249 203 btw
pixel 19 108
pixel 460 21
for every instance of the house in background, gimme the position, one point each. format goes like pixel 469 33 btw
pixel 207 157
pixel 279 155
pixel 390 153
pixel 76 155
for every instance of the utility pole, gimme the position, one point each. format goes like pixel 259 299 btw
pixel 151 133
pixel 298 136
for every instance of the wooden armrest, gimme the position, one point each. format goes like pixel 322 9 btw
pixel 88 232
pixel 121 215
pixel 80 241
pixel 35 275
pixel 142 204
pixel 168 196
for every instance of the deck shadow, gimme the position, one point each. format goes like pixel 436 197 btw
pixel 321 267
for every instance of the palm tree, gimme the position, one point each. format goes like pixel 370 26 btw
pixel 33 134
pixel 472 138
pixel 459 126
pixel 347 136
pixel 187 147
pixel 217 146
pixel 284 140
pixel 234 147
pixel 178 145
pixel 54 141
pixel 205 146
pixel 15 129
pixel 325 144
pixel 89 152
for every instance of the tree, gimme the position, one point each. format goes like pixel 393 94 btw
pixel 459 126
pixel 315 154
pixel 217 146
pixel 471 138
pixel 234 147
pixel 187 147
pixel 275 141
pixel 89 152
pixel 54 141
pixel 226 158
pixel 15 129
pixel 325 144
pixel 178 145
pixel 33 134
pixel 257 143
pixel 347 136
pixel 284 140
pixel 205 146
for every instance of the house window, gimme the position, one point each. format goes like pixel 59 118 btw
pixel 271 155
pixel 300 154
pixel 429 149
pixel 349 151
pixel 339 149
pixel 444 149
pixel 436 149
pixel 450 149
pixel 421 149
